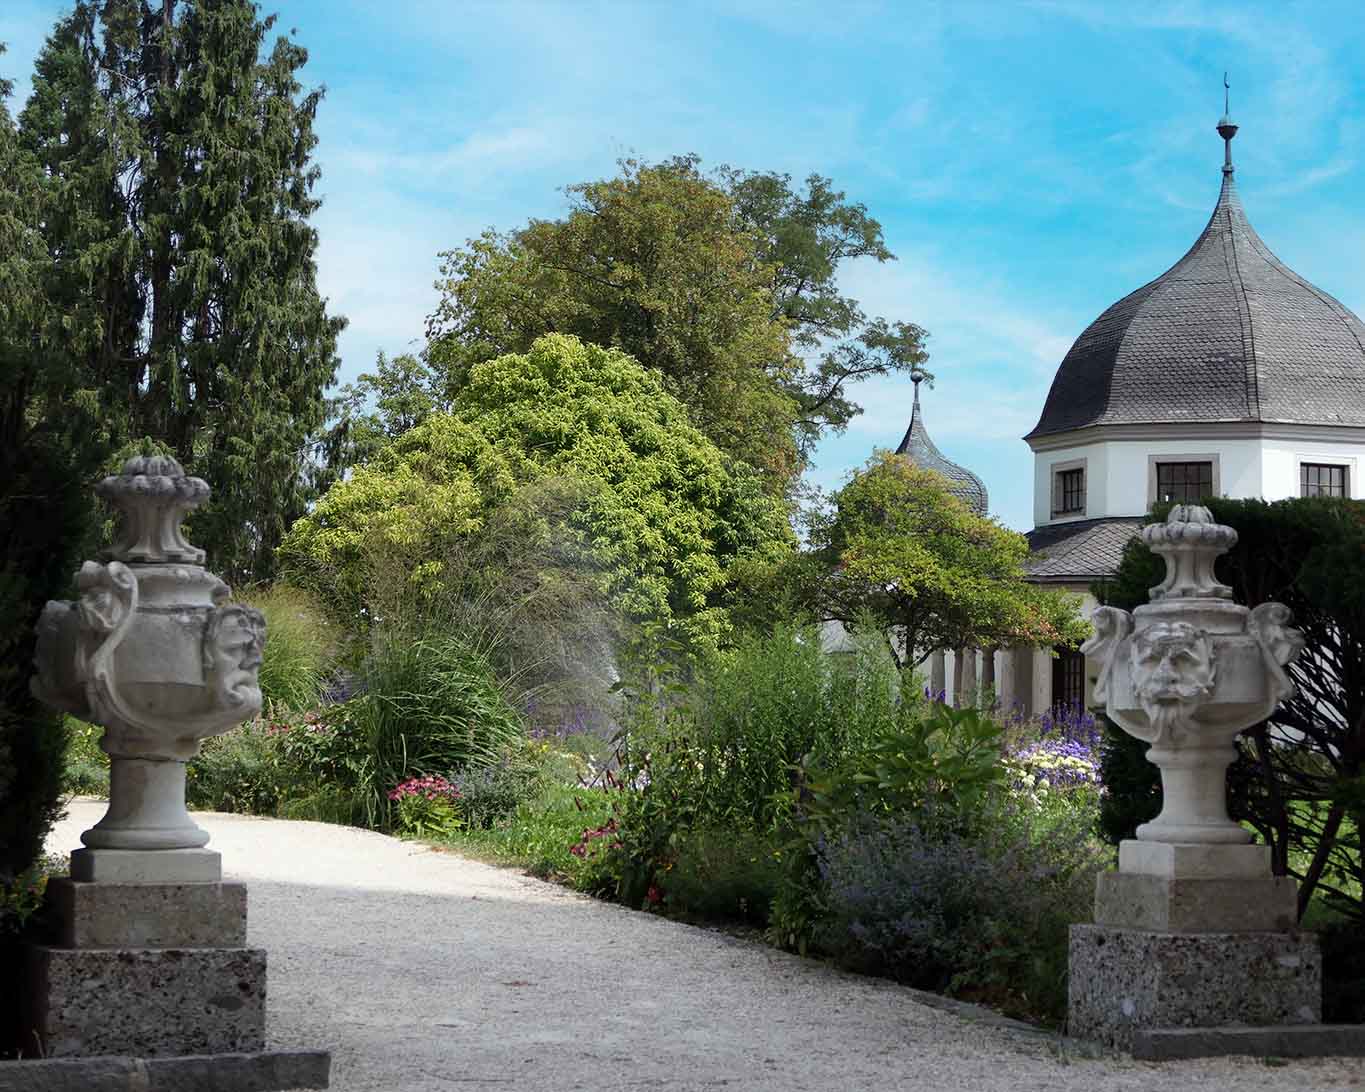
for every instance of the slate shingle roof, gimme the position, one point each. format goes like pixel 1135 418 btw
pixel 1079 552
pixel 1228 333
pixel 922 452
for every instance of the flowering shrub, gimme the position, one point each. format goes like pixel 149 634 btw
pixel 239 771
pixel 1052 764
pixel 983 913
pixel 428 807
pixel 328 747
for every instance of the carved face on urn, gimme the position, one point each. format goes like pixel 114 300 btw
pixel 1172 667
pixel 234 639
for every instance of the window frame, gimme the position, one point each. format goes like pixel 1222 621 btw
pixel 1153 473
pixel 1069 672
pixel 1321 463
pixel 1057 493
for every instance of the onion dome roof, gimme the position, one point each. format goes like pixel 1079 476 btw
pixel 923 453
pixel 1228 333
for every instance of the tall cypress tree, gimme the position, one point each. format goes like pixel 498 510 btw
pixel 179 151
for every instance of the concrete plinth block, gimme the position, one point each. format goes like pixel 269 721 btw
pixel 149 915
pixel 267 1071
pixel 1134 900
pixel 1301 1041
pixel 1194 860
pixel 147 1001
pixel 1125 979
pixel 147 866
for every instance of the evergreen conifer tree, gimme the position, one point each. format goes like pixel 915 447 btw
pixel 178 155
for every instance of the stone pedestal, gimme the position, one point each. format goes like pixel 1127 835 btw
pixel 1195 888
pixel 147 969
pixel 1194 937
pixel 1127 980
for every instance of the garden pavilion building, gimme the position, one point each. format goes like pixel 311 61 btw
pixel 1229 375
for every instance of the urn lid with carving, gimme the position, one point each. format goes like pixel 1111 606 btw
pixel 153 495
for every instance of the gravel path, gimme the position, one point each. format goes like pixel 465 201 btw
pixel 422 970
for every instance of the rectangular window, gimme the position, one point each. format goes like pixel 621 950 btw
pixel 1069 492
pixel 1184 483
pixel 1068 679
pixel 1323 480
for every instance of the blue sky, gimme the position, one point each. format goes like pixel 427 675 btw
pixel 1030 162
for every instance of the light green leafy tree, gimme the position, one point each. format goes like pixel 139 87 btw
pixel 662 511
pixel 902 550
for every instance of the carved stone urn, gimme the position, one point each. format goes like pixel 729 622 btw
pixel 154 652
pixel 1189 670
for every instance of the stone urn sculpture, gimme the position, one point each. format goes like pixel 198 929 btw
pixel 154 652
pixel 1188 671
pixel 1195 945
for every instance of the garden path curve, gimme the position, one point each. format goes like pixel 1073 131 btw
pixel 421 970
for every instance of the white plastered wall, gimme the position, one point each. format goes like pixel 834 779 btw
pixel 1281 459
pixel 1118 473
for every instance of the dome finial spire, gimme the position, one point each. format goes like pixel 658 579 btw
pixel 1227 128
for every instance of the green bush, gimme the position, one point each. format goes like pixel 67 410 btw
pixel 86 768
pixel 732 755
pixel 928 759
pixel 930 756
pixel 491 793
pixel 722 873
pixel 1132 785
pixel 32 764
pixel 241 771
pixel 773 704
pixel 300 646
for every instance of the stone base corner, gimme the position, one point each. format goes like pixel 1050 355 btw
pixel 1294 1041
pixel 266 1071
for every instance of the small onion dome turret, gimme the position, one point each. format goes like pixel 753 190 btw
pixel 921 451
pixel 1229 333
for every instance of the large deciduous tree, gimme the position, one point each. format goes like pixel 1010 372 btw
pixel 724 285
pixel 902 551
pixel 661 512
pixel 804 238
pixel 177 149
